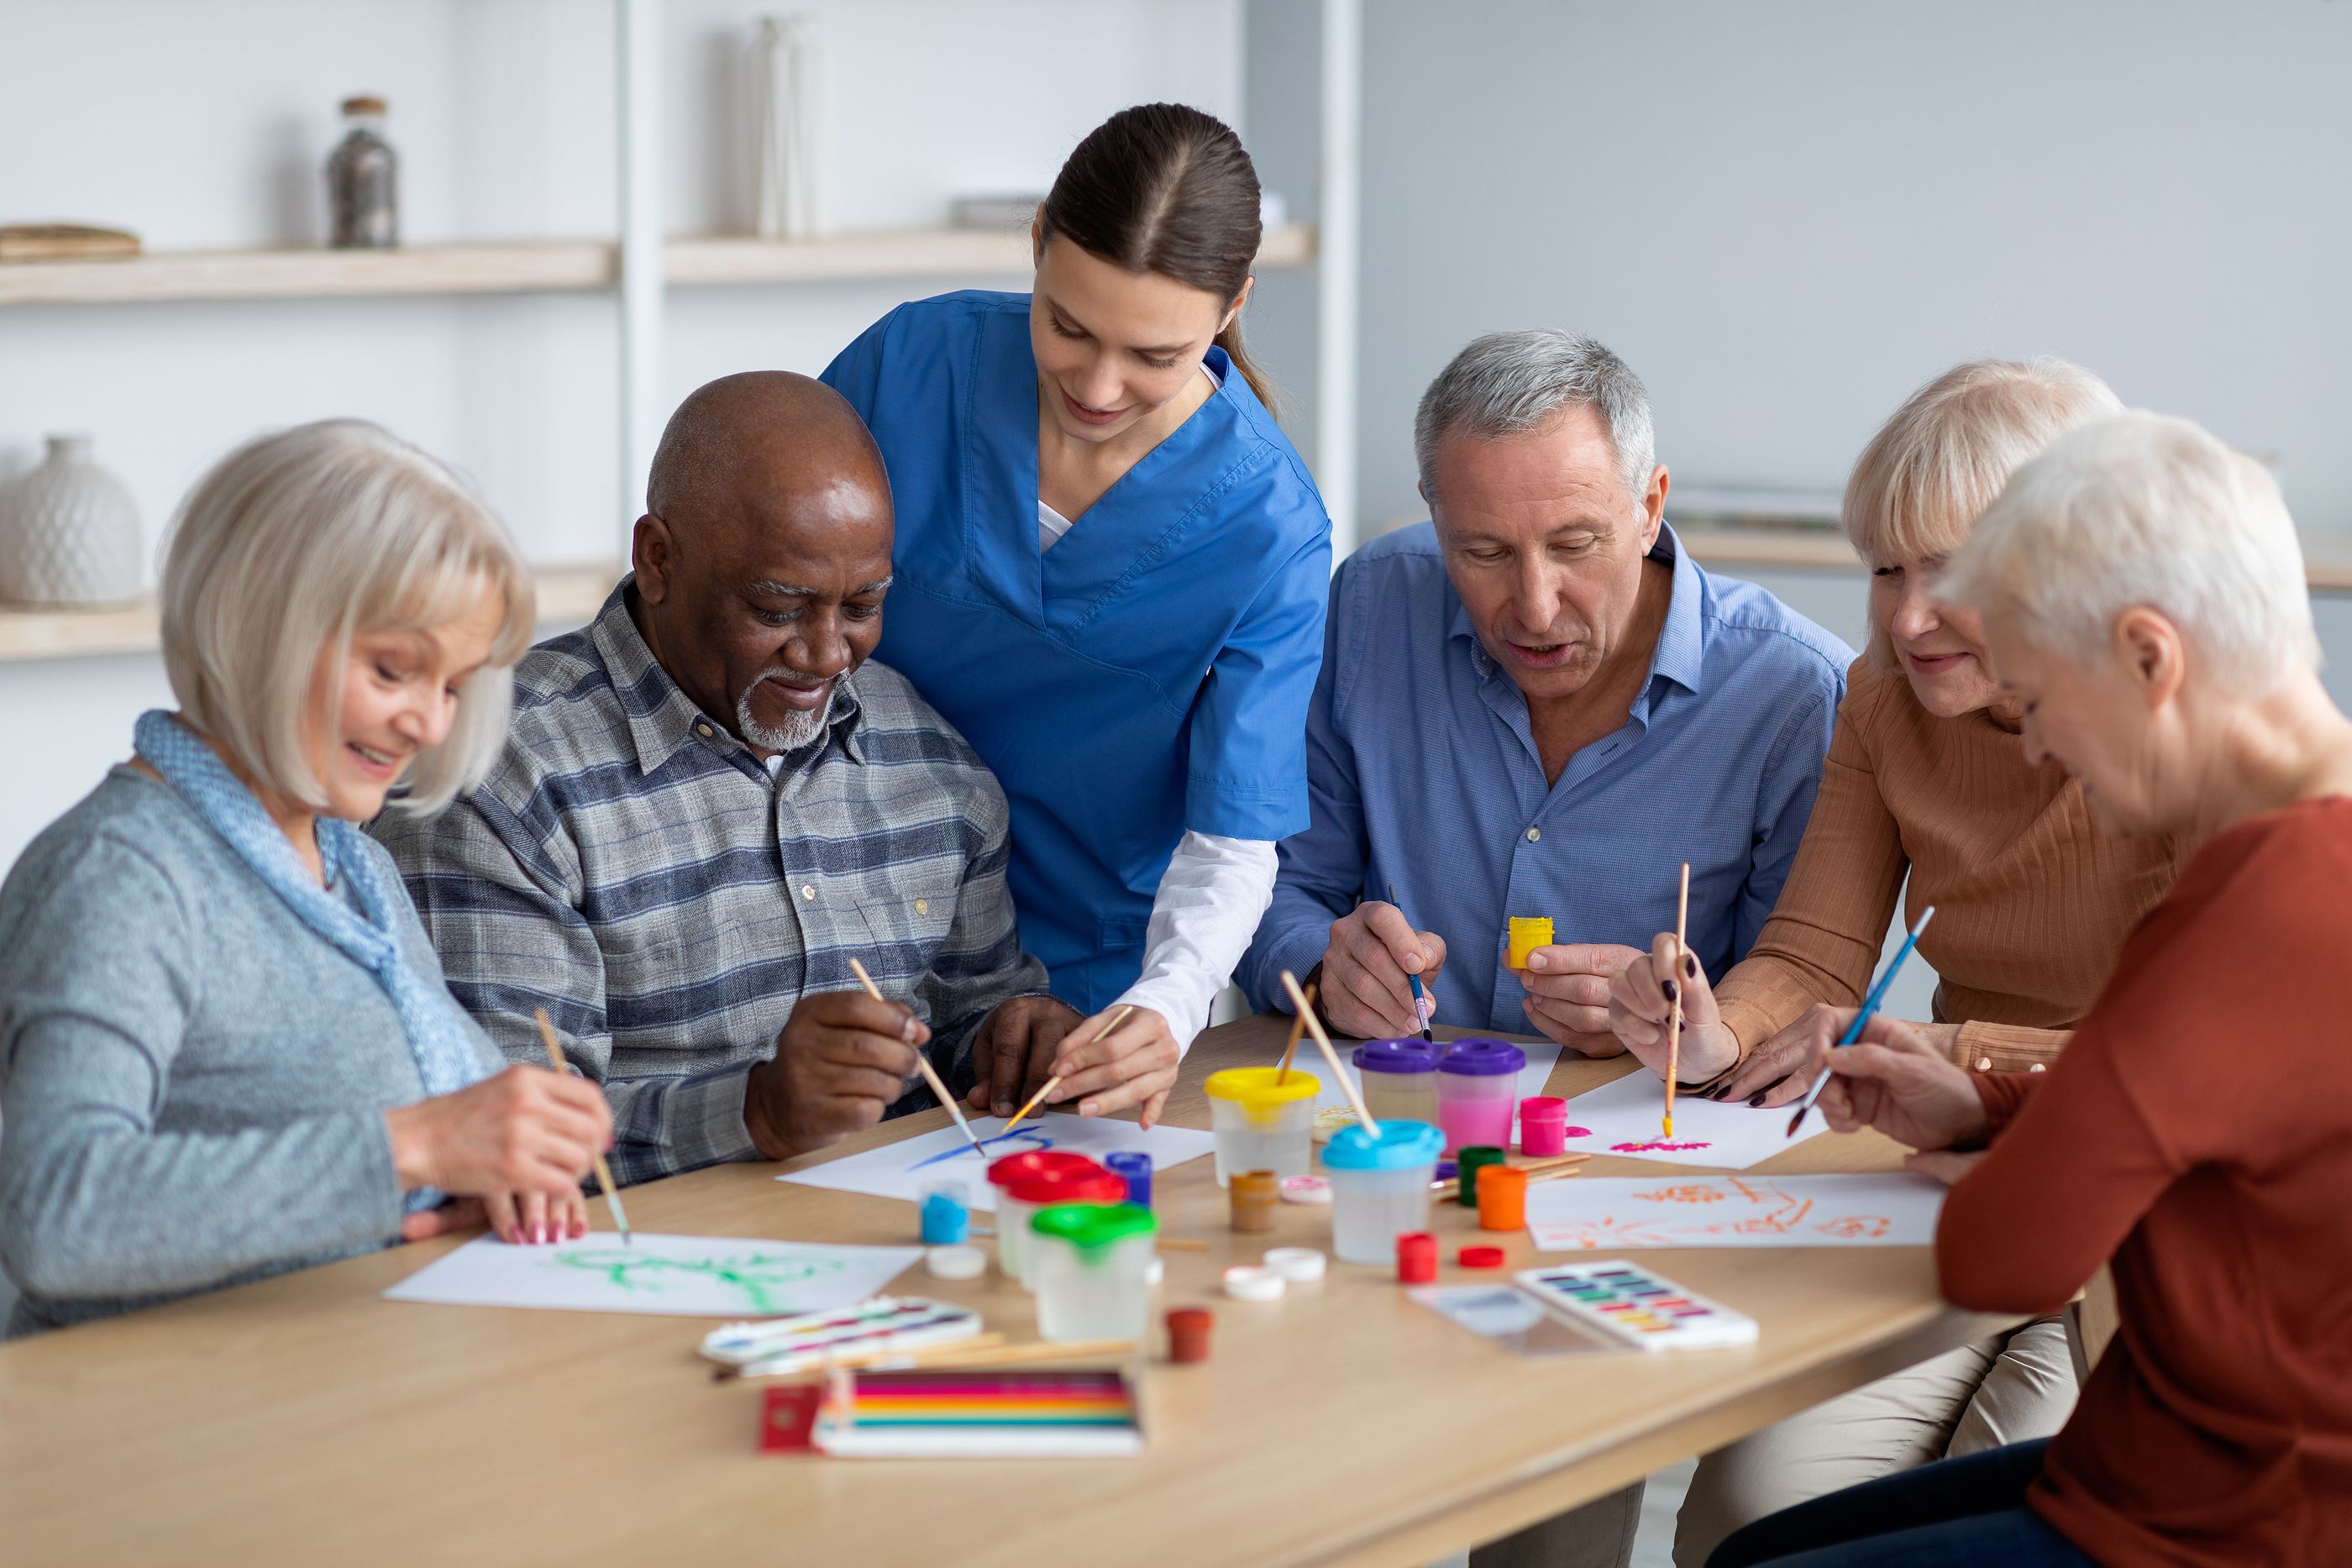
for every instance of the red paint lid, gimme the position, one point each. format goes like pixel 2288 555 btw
pixel 1036 1161
pixel 1094 1185
pixel 1480 1257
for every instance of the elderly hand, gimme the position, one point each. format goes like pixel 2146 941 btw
pixel 1135 1065
pixel 1895 1082
pixel 841 1060
pixel 1780 1070
pixel 522 1130
pixel 1014 1053
pixel 1373 949
pixel 1641 1000
pixel 1567 994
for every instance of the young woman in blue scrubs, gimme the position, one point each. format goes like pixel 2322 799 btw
pixel 1110 575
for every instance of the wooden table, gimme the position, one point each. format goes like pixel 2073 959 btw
pixel 303 1420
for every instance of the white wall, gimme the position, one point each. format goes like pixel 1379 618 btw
pixel 205 127
pixel 1787 215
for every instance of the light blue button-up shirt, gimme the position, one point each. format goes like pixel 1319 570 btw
pixel 1423 770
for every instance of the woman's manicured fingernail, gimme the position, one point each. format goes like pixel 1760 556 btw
pixel 1690 966
pixel 1672 991
pixel 538 1234
pixel 1757 1099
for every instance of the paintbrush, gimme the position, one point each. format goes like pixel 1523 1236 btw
pixel 1420 997
pixel 1869 1006
pixel 1055 1082
pixel 1323 1042
pixel 924 1063
pixel 1298 1028
pixel 603 1171
pixel 1675 1014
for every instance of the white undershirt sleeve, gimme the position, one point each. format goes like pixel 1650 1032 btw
pixel 1211 898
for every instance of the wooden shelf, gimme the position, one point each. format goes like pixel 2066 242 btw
pixel 541 268
pixel 566 593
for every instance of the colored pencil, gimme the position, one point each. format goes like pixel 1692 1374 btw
pixel 1420 997
pixel 924 1063
pixel 1869 1006
pixel 603 1171
pixel 1674 1017
pixel 1323 1042
pixel 1055 1082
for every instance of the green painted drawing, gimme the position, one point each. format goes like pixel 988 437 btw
pixel 764 1280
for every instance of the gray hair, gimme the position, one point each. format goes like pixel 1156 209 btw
pixel 2144 509
pixel 1507 383
pixel 297 541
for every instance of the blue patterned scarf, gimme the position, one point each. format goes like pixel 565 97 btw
pixel 369 936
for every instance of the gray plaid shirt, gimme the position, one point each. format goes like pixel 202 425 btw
pixel 631 866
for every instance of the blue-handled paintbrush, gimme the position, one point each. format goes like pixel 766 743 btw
pixel 1869 1006
pixel 1420 997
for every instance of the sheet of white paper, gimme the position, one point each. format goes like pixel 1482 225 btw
pixel 903 1169
pixel 1542 1056
pixel 690 1276
pixel 1621 1118
pixel 1591 1213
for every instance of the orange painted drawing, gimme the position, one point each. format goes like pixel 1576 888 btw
pixel 1718 1211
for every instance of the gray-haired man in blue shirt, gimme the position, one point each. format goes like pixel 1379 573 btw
pixel 1538 704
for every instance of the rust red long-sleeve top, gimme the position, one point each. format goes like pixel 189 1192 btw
pixel 2196 1132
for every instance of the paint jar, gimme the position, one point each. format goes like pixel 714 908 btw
pixel 1052 1178
pixel 1188 1334
pixel 1543 1124
pixel 1478 1085
pixel 1528 934
pixel 1091 1264
pixel 946 1213
pixel 1379 1188
pixel 1134 1168
pixel 1416 1257
pixel 1502 1199
pixel 1262 1124
pixel 1400 1079
pixel 1474 1158
pixel 1253 1197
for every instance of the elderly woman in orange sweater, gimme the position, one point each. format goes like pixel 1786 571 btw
pixel 1925 776
pixel 2142 590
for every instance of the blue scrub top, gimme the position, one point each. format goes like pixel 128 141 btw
pixel 1149 674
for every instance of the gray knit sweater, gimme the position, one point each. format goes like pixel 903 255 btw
pixel 192 1081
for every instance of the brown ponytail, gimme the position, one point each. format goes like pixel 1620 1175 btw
pixel 1164 188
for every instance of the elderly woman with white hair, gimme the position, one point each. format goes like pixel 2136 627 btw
pixel 225 1048
pixel 2142 592
pixel 1927 778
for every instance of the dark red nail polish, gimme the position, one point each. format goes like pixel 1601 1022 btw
pixel 1690 966
pixel 1757 1099
pixel 1670 989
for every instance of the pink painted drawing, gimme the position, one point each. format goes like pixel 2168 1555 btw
pixel 1735 1211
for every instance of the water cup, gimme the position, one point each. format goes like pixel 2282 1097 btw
pixel 1477 1084
pixel 1400 1079
pixel 1262 1124
pixel 1090 1264
pixel 1379 1188
pixel 1038 1179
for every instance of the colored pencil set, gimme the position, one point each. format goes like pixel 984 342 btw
pixel 979 1414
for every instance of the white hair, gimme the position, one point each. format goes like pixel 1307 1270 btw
pixel 1507 383
pixel 2144 509
pixel 297 541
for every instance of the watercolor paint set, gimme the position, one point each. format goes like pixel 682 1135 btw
pixel 1637 1307
pixel 776 1347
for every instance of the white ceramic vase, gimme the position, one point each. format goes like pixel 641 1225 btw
pixel 68 532
pixel 786 127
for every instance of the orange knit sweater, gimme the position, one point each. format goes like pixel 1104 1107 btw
pixel 2032 903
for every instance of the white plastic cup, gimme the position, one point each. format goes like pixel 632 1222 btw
pixel 1091 1265
pixel 1262 1124
pixel 1379 1188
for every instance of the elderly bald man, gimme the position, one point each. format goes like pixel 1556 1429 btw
pixel 711 801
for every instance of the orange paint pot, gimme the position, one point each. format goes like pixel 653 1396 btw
pixel 1502 1199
